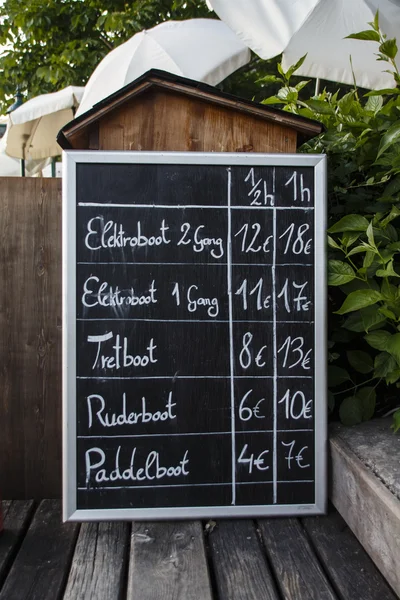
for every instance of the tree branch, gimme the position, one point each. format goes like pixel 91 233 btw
pixel 105 41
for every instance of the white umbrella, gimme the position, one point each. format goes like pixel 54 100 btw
pixel 33 127
pixel 316 28
pixel 201 49
pixel 11 167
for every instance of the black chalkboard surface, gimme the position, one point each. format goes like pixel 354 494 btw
pixel 194 335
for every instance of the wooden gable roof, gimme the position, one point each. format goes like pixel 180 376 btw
pixel 73 133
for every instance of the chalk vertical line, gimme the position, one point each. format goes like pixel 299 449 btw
pixel 275 354
pixel 231 354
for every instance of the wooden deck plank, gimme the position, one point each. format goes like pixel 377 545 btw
pixel 99 562
pixel 351 571
pixel 168 562
pixel 41 566
pixel 239 564
pixel 17 515
pixel 297 570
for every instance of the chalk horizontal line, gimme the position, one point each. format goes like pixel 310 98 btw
pixel 173 377
pixel 179 485
pixel 185 207
pixel 191 264
pixel 196 320
pixel 161 264
pixel 151 435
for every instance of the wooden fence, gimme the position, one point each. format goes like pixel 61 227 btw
pixel 30 342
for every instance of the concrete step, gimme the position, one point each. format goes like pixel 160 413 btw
pixel 365 489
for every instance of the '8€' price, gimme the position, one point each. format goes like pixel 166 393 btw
pixel 246 354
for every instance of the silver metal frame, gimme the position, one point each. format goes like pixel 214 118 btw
pixel 70 160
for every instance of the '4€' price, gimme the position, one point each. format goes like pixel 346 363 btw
pixel 253 460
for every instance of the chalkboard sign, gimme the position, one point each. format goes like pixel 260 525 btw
pixel 194 335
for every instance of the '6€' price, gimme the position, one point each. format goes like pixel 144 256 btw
pixel 246 412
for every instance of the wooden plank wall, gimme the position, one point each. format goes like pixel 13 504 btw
pixel 30 338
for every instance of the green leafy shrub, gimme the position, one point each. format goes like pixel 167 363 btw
pixel 362 141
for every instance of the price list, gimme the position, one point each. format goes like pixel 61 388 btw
pixel 196 373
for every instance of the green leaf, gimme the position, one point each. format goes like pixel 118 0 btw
pixel 350 223
pixel 354 322
pixel 272 100
pixel 374 104
pixel 359 299
pixel 394 213
pixel 358 284
pixel 396 421
pixel 319 106
pixel 360 361
pixel 384 92
pixel 370 235
pixel 349 237
pixel 393 376
pixel 395 246
pixel 346 103
pixel 393 346
pixel 367 35
pixel 302 84
pixel 270 79
pixel 389 47
pixel 339 272
pixel 388 314
pixel 280 69
pixel 391 234
pixel 388 290
pixel 369 259
pixel 375 22
pixel 287 93
pixel 332 243
pixel 351 411
pixel 358 249
pixel 392 187
pixel 388 271
pixel 367 396
pixel 296 66
pixel 392 136
pixel 337 376
pixel 384 364
pixel 371 317
pixel 378 339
